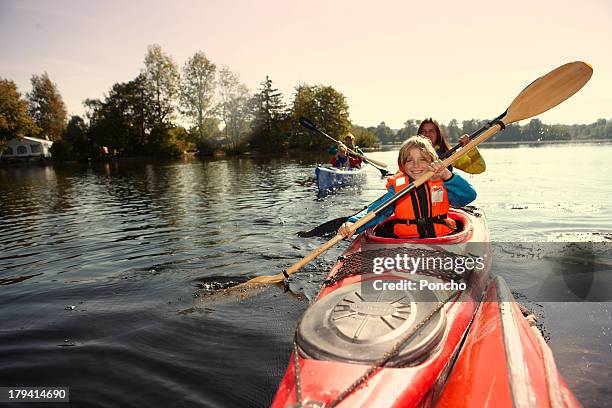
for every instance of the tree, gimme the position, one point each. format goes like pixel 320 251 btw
pixel 212 135
pixel 269 119
pixel 384 133
pixel 327 108
pixel 234 107
pixel 76 136
pixel 197 90
pixel 470 126
pixel 14 118
pixel 453 131
pixel 534 130
pixel 411 126
pixel 47 107
pixel 161 80
pixel 123 120
pixel 364 137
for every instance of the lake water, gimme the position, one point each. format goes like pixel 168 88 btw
pixel 102 267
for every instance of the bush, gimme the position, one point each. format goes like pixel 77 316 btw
pixel 62 150
pixel 206 147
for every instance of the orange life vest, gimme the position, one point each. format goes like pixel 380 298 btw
pixel 423 213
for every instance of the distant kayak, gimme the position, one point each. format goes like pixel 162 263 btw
pixel 329 178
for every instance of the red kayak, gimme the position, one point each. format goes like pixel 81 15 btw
pixel 405 323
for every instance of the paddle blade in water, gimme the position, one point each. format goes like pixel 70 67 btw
pixel 549 90
pixel 326 229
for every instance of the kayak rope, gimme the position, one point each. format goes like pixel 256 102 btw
pixel 362 262
pixel 393 352
pixel 296 370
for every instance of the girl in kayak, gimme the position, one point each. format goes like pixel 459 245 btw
pixel 472 162
pixel 424 212
pixel 342 159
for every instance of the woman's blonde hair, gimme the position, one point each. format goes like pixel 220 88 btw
pixel 419 142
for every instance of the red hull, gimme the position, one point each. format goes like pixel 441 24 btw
pixel 422 382
pixel 505 361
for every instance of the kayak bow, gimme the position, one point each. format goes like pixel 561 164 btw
pixel 329 178
pixel 357 346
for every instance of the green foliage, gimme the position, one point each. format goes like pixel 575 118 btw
pixel 161 85
pixel 235 110
pixel 206 147
pixel 411 126
pixel 453 131
pixel 384 133
pixel 327 108
pixel 197 90
pixel 139 116
pixel 14 118
pixel 163 141
pixel 122 121
pixel 47 107
pixel 534 130
pixel 364 137
pixel 62 150
pixel 76 134
pixel 270 127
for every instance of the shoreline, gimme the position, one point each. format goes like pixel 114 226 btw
pixel 256 154
pixel 517 143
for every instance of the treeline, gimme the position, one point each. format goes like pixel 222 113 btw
pixel 534 130
pixel 165 110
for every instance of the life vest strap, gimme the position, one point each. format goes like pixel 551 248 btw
pixel 440 219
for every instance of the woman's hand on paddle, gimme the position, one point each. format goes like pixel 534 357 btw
pixel 439 170
pixel 344 229
pixel 464 139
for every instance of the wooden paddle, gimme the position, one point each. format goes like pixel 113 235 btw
pixel 311 126
pixel 541 95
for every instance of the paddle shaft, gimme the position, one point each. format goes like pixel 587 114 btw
pixel 472 136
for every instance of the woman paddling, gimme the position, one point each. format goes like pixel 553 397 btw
pixel 424 212
pixel 343 159
pixel 472 162
pixel 349 142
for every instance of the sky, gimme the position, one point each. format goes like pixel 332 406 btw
pixel 393 60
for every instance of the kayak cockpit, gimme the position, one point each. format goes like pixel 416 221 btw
pixel 365 311
pixel 383 232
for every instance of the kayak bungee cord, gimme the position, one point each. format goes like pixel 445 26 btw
pixel 393 352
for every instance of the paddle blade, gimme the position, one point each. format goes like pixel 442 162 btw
pixel 548 91
pixel 326 229
pixel 308 124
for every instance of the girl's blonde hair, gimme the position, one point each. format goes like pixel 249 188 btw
pixel 419 142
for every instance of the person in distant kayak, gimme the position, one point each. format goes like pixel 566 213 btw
pixel 342 159
pixel 424 212
pixel 472 162
pixel 349 142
